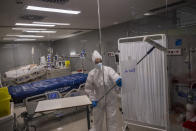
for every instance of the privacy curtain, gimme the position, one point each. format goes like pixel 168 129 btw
pixel 144 85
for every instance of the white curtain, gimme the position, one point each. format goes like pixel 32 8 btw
pixel 144 85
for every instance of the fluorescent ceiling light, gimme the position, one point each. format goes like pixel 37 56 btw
pixel 39 25
pixel 73 53
pixel 27 36
pixel 9 38
pixel 39 31
pixel 16 39
pixel 148 14
pixel 27 29
pixel 51 23
pixel 24 39
pixel 52 10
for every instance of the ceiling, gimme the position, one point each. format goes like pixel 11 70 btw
pixel 112 12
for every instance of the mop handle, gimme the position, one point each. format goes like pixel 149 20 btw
pixel 106 93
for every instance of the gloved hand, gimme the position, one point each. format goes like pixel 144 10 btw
pixel 119 82
pixel 94 103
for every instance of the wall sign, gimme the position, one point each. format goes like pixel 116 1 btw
pixel 178 42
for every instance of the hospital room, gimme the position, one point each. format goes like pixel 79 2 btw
pixel 98 65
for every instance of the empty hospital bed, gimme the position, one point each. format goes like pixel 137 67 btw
pixel 61 84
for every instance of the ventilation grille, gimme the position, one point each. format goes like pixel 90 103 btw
pixel 186 17
pixel 32 17
pixel 55 1
pixel 19 1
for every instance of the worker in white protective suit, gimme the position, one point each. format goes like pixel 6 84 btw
pixel 94 87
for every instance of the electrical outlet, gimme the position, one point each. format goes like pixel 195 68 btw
pixel 111 54
pixel 174 52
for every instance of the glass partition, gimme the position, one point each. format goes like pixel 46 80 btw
pixel 176 20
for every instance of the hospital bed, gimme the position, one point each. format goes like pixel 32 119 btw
pixel 23 74
pixel 58 107
pixel 61 84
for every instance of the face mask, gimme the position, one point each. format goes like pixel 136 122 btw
pixel 99 66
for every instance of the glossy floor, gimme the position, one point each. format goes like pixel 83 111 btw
pixel 73 122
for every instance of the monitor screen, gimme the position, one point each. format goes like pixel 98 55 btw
pixel 53 95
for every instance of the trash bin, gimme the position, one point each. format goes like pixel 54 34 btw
pixel 7 122
pixel 4 102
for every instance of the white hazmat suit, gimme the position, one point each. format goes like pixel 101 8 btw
pixel 95 89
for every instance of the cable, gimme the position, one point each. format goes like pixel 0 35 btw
pixel 100 44
pixel 166 7
pixel 0 81
pixel 99 25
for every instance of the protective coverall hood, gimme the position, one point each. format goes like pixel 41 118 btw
pixel 96 55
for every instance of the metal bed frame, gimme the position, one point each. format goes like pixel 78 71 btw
pixel 32 102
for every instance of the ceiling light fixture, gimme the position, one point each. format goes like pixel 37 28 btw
pixel 24 39
pixel 9 38
pixel 27 36
pixel 51 23
pixel 148 13
pixel 39 31
pixel 23 29
pixel 52 10
pixel 72 53
pixel 38 25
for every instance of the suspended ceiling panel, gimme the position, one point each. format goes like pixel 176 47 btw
pixel 112 12
pixel 60 33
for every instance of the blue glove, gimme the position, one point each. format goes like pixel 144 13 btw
pixel 94 103
pixel 119 82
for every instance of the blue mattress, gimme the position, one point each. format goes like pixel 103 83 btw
pixel 62 84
